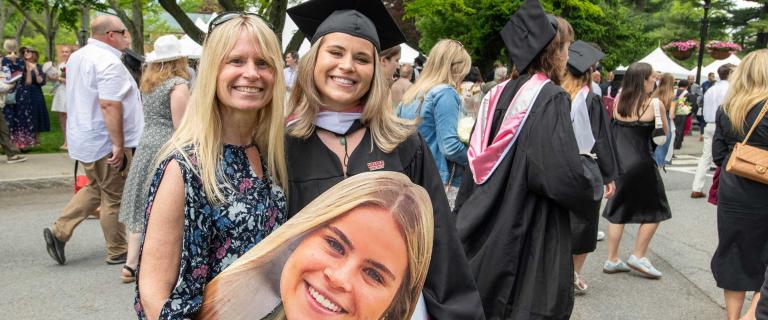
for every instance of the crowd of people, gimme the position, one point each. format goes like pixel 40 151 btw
pixel 248 183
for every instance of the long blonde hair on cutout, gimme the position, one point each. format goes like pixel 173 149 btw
pixel 748 86
pixel 230 294
pixel 386 128
pixel 448 63
pixel 201 126
pixel 157 72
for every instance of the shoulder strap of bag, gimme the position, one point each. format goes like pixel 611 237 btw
pixel 757 122
pixel 657 114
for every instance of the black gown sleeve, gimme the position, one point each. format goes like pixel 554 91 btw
pixel 449 291
pixel 762 304
pixel 604 145
pixel 719 145
pixel 554 165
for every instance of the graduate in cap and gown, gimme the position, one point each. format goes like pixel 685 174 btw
pixel 526 176
pixel 591 128
pixel 341 124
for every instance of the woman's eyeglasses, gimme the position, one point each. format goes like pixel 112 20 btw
pixel 229 15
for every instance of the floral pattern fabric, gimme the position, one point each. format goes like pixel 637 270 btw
pixel 19 115
pixel 215 235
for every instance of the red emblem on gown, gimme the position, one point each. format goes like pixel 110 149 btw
pixel 376 165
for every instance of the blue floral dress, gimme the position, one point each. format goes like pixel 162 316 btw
pixel 216 235
pixel 19 114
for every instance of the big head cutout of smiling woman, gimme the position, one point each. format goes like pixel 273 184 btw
pixel 331 262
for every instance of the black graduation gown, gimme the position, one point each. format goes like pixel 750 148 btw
pixel 515 227
pixel 584 231
pixel 449 291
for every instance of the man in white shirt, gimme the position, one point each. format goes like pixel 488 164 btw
pixel 103 126
pixel 596 84
pixel 291 65
pixel 713 99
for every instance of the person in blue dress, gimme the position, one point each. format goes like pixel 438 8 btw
pixel 30 96
pixel 218 187
pixel 18 118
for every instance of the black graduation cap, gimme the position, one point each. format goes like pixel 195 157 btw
pixel 527 33
pixel 367 19
pixel 581 56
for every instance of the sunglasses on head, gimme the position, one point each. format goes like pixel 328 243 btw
pixel 229 15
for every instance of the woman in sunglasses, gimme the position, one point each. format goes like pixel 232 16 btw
pixel 341 124
pixel 218 187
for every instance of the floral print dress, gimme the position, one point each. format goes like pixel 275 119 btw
pixel 216 235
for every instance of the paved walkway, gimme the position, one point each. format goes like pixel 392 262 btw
pixel 40 170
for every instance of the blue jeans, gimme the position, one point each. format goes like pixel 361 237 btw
pixel 661 151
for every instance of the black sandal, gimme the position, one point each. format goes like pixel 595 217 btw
pixel 131 271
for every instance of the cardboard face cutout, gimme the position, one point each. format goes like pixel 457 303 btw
pixel 361 250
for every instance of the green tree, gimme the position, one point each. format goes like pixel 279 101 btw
pixel 751 24
pixel 46 16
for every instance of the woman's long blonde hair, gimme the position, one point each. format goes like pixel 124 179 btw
pixel 387 130
pixel 157 72
pixel 230 294
pixel 748 86
pixel 201 126
pixel 665 92
pixel 448 63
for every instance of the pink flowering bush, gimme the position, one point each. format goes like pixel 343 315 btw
pixel 681 45
pixel 716 45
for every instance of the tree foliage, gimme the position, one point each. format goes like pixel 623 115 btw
pixel 626 30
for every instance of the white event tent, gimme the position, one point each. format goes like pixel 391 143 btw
pixel 712 67
pixel 661 62
pixel 190 48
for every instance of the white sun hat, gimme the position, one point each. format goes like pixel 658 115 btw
pixel 167 48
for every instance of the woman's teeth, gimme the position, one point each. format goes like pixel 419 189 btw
pixel 323 301
pixel 343 80
pixel 248 89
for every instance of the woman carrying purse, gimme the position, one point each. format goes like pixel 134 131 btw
pixel 741 257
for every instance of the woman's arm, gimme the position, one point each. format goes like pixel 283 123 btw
pixel 179 97
pixel 662 110
pixel 447 106
pixel 162 244
pixel 672 109
pixel 719 145
pixel 39 75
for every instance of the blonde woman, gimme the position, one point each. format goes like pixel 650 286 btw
pixel 342 125
pixel 665 92
pixel 742 219
pixel 330 260
pixel 59 103
pixel 218 189
pixel 435 102
pixel 165 90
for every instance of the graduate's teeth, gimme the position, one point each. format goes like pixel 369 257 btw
pixel 323 301
pixel 343 81
pixel 248 89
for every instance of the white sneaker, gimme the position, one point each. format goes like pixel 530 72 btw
pixel 600 236
pixel 615 267
pixel 644 266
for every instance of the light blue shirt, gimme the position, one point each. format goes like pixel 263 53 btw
pixel 439 118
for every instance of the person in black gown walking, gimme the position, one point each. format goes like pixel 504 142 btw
pixel 341 124
pixel 526 175
pixel 742 204
pixel 595 144
pixel 640 196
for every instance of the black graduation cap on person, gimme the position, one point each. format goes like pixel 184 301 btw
pixel 367 19
pixel 581 56
pixel 527 33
